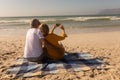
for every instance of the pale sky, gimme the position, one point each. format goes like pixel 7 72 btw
pixel 54 7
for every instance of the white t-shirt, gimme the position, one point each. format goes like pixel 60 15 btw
pixel 33 46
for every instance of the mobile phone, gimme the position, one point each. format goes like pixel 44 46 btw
pixel 57 24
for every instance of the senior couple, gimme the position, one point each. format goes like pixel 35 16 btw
pixel 42 44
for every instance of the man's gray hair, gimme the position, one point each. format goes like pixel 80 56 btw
pixel 34 22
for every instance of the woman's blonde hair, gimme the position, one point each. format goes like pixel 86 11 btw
pixel 44 29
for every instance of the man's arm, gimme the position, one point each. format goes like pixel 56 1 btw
pixel 42 42
pixel 47 44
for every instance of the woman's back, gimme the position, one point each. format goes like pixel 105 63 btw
pixel 57 52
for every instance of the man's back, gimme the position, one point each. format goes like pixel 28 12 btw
pixel 33 46
pixel 53 39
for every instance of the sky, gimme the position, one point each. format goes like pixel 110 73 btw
pixel 55 7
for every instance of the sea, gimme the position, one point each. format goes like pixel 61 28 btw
pixel 72 23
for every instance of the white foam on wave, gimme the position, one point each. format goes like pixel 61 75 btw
pixel 82 19
pixel 115 18
pixel 48 20
pixel 25 21
pixel 14 21
pixel 93 18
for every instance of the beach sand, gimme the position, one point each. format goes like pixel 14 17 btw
pixel 105 45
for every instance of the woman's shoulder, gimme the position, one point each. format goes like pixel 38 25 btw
pixel 50 36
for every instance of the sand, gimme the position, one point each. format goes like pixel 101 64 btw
pixel 104 45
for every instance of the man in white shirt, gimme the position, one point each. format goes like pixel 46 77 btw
pixel 33 47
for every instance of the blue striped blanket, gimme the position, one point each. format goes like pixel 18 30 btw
pixel 73 63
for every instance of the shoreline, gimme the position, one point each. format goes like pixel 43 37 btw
pixel 22 32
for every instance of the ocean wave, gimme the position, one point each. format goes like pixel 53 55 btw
pixel 26 21
pixel 93 18
pixel 62 19
pixel 14 21
pixel 82 19
pixel 115 18
pixel 48 20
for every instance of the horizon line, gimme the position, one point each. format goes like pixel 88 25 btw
pixel 62 15
pixel 46 15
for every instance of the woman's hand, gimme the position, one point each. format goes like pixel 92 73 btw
pixel 62 27
pixel 56 25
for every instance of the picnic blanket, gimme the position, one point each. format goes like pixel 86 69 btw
pixel 73 62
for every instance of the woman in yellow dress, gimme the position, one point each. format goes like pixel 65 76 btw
pixel 56 52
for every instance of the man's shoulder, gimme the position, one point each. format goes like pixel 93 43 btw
pixel 31 30
pixel 34 30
